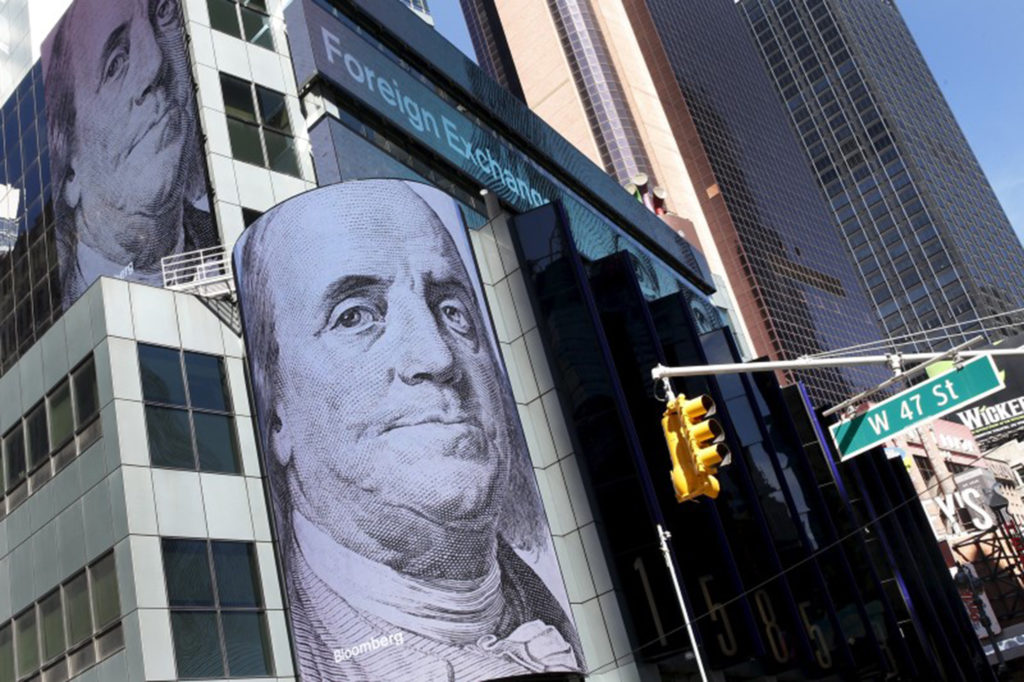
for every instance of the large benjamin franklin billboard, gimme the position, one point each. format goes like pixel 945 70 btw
pixel 129 181
pixel 413 539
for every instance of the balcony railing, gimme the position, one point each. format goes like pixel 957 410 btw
pixel 206 272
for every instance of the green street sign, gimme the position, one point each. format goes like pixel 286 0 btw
pixel 938 396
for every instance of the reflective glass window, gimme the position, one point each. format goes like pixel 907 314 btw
pixel 245 141
pixel 197 644
pixel 244 19
pixel 224 17
pixel 51 616
pixel 170 437
pixel 62 420
pixel 26 642
pixel 260 133
pixel 256 28
pixel 37 436
pixel 83 383
pixel 215 442
pixel 189 426
pixel 235 566
pixel 281 153
pixel 238 102
pixel 162 380
pixel 246 643
pixel 217 617
pixel 6 654
pixel 106 603
pixel 77 608
pixel 187 569
pixel 207 383
pixel 14 456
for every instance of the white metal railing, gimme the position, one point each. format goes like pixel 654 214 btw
pixel 205 272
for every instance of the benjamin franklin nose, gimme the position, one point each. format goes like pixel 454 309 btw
pixel 143 95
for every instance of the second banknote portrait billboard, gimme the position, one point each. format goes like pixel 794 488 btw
pixel 128 171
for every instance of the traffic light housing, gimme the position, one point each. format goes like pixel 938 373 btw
pixel 695 446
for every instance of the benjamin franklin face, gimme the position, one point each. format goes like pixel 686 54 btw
pixel 387 389
pixel 131 126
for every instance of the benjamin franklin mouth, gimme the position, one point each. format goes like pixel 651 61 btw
pixel 436 420
pixel 162 127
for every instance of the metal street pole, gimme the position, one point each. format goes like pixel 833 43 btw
pixel 663 537
pixel 894 361
pixel 661 371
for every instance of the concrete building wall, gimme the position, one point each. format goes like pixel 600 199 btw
pixel 237 185
pixel 593 600
pixel 110 497
pixel 549 90
pixel 183 504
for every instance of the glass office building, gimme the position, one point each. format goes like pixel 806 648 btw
pixel 786 236
pixel 691 80
pixel 928 236
pixel 137 539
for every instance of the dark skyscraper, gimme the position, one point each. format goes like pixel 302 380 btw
pixel 928 236
pixel 784 236
pixel 490 46
pixel 778 243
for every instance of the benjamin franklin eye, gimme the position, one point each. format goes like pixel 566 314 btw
pixel 355 317
pixel 456 317
pixel 117 64
pixel 163 12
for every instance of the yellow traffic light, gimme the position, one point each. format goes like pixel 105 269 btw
pixel 694 444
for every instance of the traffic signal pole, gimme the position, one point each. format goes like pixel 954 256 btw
pixel 677 433
pixel 663 538
pixel 894 361
pixel 663 372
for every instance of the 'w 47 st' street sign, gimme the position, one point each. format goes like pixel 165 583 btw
pixel 938 396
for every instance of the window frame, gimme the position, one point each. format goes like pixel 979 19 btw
pixel 262 126
pixel 63 384
pixel 240 9
pixel 31 453
pixel 68 657
pixel 219 610
pixel 7 633
pixel 8 438
pixel 58 454
pixel 88 427
pixel 153 406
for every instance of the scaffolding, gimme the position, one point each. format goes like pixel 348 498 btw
pixel 997 556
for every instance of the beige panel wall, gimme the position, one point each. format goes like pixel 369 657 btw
pixel 551 93
pixel 544 71
pixel 669 169
pixel 653 125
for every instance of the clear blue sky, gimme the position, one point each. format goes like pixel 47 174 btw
pixel 975 48
pixel 450 23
